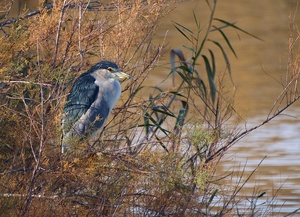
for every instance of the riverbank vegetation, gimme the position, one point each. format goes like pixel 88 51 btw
pixel 158 152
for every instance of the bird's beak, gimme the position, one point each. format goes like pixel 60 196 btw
pixel 122 75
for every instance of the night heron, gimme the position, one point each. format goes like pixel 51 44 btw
pixel 91 99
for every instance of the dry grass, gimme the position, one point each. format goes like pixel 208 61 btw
pixel 40 56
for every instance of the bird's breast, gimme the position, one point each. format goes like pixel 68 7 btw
pixel 109 91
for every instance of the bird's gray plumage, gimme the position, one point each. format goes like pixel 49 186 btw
pixel 91 99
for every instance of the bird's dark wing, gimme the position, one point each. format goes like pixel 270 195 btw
pixel 81 97
pixel 98 114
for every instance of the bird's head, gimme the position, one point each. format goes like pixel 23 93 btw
pixel 109 70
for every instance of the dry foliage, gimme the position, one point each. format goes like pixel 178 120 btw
pixel 40 57
pixel 147 161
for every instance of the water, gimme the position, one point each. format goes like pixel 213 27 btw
pixel 257 64
pixel 279 173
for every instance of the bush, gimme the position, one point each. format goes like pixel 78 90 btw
pixel 153 157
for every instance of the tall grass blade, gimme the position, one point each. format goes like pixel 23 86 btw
pixel 182 30
pixel 158 124
pixel 189 48
pixel 181 117
pixel 146 123
pixel 136 91
pixel 179 54
pixel 211 78
pixel 236 27
pixel 201 85
pixel 225 58
pixel 163 110
pixel 261 194
pixel 196 21
pixel 226 39
pixel 211 198
pixel 213 62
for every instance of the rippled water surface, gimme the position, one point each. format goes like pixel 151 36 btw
pixel 278 145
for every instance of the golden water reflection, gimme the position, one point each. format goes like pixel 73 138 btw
pixel 258 62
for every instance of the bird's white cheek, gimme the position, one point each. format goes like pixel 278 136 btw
pixel 113 94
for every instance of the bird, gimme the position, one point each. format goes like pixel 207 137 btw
pixel 90 101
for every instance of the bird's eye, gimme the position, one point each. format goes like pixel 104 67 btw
pixel 110 69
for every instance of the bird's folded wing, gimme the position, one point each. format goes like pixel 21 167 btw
pixel 80 99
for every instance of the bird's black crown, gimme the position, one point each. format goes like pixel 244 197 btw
pixel 103 65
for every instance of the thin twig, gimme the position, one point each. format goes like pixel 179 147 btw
pixel 25 82
pixel 79 33
pixel 41 146
pixel 246 132
pixel 58 32
pixel 281 95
